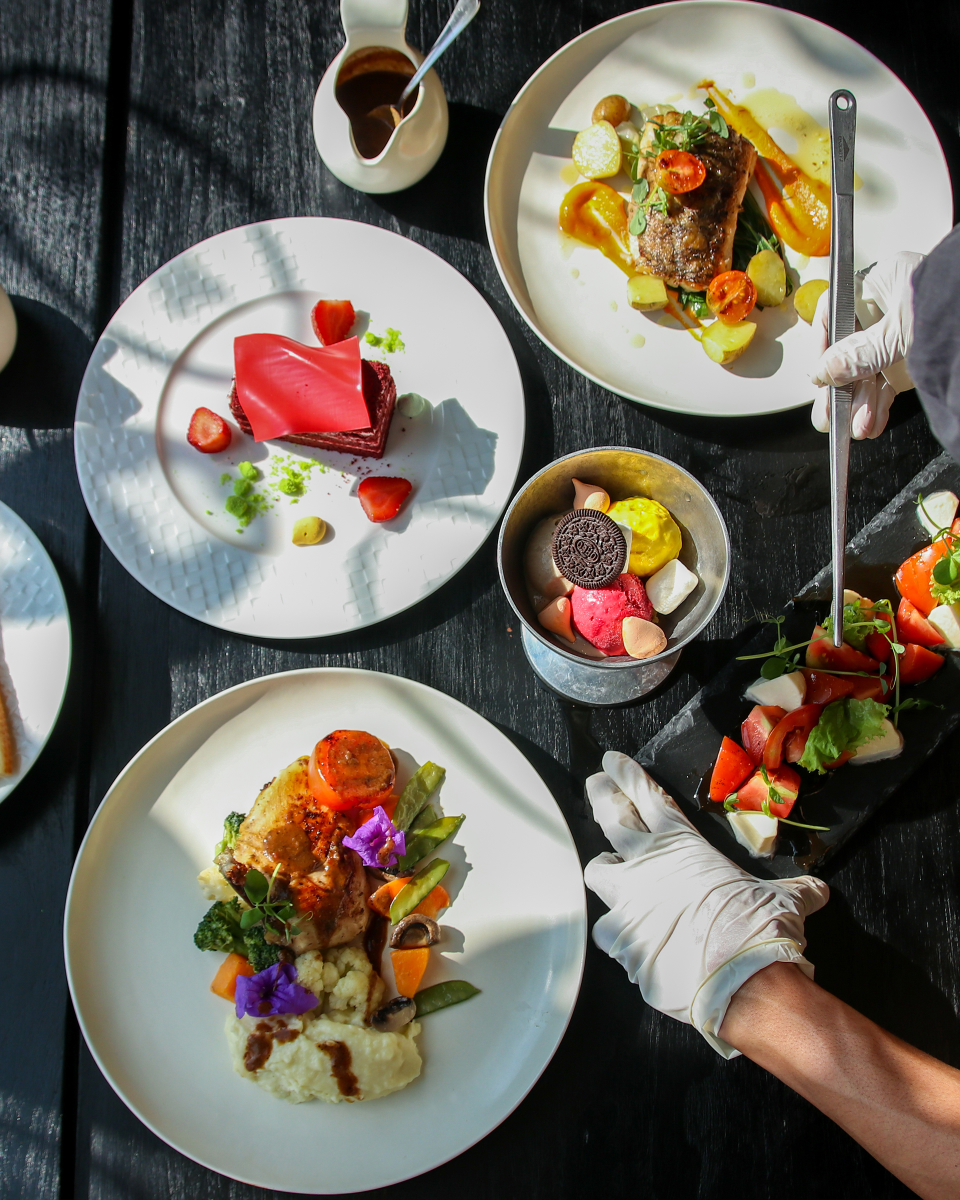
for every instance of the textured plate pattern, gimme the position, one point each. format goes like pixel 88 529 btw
pixel 152 512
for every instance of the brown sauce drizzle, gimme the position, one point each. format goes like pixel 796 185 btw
pixel 340 1062
pixel 373 76
pixel 260 1043
pixel 290 846
pixel 375 939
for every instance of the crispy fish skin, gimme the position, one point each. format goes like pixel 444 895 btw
pixel 325 881
pixel 693 242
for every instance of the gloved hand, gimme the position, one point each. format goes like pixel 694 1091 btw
pixel 872 358
pixel 687 925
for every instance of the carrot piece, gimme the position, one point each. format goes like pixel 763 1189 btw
pixel 225 981
pixel 384 896
pixel 408 968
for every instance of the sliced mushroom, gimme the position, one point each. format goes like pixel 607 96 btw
pixel 393 1016
pixel 415 930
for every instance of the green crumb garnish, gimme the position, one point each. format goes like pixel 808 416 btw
pixel 390 342
pixel 241 487
pixel 291 486
pixel 225 478
pixel 209 512
pixel 248 471
pixel 236 506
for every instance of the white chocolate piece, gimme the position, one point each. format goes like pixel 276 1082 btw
pixel 588 495
pixel 670 586
pixel 557 617
pixel 786 691
pixel 642 639
pixel 754 831
pixel 937 511
pixel 945 619
pixel 543 578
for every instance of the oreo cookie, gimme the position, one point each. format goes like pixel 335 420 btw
pixel 589 548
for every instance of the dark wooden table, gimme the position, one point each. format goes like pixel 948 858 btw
pixel 131 131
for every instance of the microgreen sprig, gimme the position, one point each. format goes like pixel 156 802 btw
pixel 259 890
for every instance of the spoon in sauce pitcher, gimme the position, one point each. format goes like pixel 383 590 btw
pixel 460 18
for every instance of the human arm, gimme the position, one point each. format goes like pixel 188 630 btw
pixel 900 1104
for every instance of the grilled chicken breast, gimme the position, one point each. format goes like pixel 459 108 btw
pixel 693 241
pixel 325 881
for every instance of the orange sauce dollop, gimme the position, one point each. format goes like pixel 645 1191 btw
pixel 594 214
pixel 797 204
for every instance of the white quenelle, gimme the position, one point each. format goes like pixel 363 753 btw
pixel 670 586
pixel 786 691
pixel 755 831
pixel 888 745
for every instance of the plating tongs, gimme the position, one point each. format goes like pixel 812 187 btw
pixel 843 129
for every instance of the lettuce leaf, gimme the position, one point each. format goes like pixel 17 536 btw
pixel 946 593
pixel 843 725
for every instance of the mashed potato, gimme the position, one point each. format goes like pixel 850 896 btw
pixel 329 1053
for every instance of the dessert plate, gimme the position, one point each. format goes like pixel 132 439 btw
pixel 145 1007
pixel 575 300
pixel 34 641
pixel 160 505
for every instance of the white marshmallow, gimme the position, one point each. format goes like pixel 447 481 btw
pixel 670 586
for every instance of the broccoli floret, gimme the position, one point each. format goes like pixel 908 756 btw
pixel 220 928
pixel 259 951
pixel 231 827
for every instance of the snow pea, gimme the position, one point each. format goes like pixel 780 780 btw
pixel 427 840
pixel 421 786
pixel 419 887
pixel 425 817
pixel 442 995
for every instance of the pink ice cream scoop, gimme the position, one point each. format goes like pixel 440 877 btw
pixel 598 613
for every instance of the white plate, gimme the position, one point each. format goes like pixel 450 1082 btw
pixel 159 504
pixel 516 930
pixel 34 641
pixel 568 296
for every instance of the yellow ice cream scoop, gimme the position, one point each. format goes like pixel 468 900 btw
pixel 656 535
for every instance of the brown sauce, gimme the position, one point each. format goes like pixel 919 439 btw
pixel 373 76
pixel 260 1043
pixel 340 1063
pixel 375 939
pixel 290 846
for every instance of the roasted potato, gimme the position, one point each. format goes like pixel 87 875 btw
pixel 596 151
pixel 769 277
pixel 725 343
pixel 808 294
pixel 613 109
pixel 646 293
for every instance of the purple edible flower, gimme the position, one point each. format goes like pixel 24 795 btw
pixel 377 841
pixel 273 991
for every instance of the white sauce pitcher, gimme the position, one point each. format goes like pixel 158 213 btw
pixel 418 140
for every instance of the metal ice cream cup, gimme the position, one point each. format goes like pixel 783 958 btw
pixel 705 549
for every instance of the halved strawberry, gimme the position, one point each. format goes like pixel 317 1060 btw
pixel 914 627
pixel 208 432
pixel 732 768
pixel 382 496
pixel 332 320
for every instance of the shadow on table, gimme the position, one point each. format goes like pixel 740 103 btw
pixel 39 386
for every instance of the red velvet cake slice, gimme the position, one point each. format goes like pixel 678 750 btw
pixel 380 394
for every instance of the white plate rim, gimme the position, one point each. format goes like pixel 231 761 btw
pixel 529 85
pixel 573 984
pixel 111 537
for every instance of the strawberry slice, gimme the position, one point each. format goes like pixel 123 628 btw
pixel 382 496
pixel 208 432
pixel 332 320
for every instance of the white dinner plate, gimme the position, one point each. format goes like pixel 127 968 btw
pixel 516 929
pixel 575 300
pixel 34 641
pixel 159 504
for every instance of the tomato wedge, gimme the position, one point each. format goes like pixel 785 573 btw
pixel 679 171
pixel 824 688
pixel 823 654
pixel 751 795
pixel 917 663
pixel 801 720
pixel 732 768
pixel 731 296
pixel 350 768
pixel 914 627
pixel 875 687
pixel 757 728
pixel 915 576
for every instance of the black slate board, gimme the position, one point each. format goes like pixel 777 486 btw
pixel 682 754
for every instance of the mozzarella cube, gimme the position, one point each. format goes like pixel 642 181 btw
pixel 851 597
pixel 786 691
pixel 888 745
pixel 755 831
pixel 937 511
pixel 946 621
pixel 670 586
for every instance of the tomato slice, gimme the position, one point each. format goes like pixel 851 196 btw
pixel 757 728
pixel 824 688
pixel 801 720
pixel 732 768
pixel 823 654
pixel 350 768
pixel 751 795
pixel 915 576
pixel 731 296
pixel 679 171
pixel 917 663
pixel 876 687
pixel 914 627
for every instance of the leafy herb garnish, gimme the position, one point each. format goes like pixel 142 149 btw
pixel 258 890
pixel 753 235
pixel 945 585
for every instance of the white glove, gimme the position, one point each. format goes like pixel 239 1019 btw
pixel 687 925
pixel 873 357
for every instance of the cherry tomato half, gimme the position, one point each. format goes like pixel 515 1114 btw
pixel 679 171
pixel 731 296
